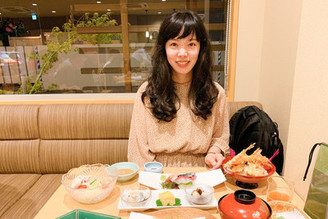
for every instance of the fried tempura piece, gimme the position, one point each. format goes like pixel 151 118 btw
pixel 248 165
pixel 239 158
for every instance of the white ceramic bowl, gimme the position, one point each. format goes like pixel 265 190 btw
pixel 199 198
pixel 155 167
pixel 127 170
pixel 106 179
pixel 135 196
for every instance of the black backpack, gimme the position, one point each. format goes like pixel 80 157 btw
pixel 252 125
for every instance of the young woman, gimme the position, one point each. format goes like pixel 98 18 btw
pixel 180 115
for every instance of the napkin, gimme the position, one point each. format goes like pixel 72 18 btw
pixel 212 178
pixel 135 215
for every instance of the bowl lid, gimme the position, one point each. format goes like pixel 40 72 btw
pixel 244 204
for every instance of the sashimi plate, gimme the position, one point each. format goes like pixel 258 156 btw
pixel 151 203
pixel 154 180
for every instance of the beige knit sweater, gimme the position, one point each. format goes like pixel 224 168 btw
pixel 182 142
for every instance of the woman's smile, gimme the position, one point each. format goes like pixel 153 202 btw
pixel 183 64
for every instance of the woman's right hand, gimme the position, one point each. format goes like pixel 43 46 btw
pixel 214 160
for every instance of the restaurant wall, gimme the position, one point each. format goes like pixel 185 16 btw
pixel 309 112
pixel 249 49
pixel 281 62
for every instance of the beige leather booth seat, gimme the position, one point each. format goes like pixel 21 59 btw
pixel 38 143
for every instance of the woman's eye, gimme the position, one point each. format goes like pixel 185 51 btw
pixel 192 44
pixel 174 44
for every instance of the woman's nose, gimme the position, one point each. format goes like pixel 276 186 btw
pixel 182 52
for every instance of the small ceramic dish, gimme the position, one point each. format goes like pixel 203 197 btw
pixel 126 170
pixel 154 167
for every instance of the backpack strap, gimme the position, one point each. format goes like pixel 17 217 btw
pixel 310 158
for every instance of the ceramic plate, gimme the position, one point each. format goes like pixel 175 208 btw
pixel 153 180
pixel 151 203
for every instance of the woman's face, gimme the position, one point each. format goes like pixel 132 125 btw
pixel 182 54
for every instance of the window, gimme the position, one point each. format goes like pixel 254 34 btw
pixel 111 43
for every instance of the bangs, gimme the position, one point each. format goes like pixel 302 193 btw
pixel 185 22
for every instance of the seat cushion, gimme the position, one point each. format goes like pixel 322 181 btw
pixel 34 199
pixel 13 187
pixel 19 122
pixel 19 156
pixel 59 156
pixel 85 121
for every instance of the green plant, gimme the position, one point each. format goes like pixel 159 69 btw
pixel 62 43
pixel 97 21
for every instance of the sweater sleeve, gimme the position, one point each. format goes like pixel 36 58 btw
pixel 221 131
pixel 138 147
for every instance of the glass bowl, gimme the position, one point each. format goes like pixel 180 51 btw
pixel 90 183
pixel 199 194
pixel 136 196
pixel 126 170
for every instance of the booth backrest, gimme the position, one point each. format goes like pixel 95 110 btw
pixel 54 138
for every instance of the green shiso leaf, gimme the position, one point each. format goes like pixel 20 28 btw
pixel 177 202
pixel 159 203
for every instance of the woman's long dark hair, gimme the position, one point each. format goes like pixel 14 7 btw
pixel 160 89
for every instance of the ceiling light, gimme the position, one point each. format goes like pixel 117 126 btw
pixel 98 2
pixel 54 12
pixel 108 9
pixel 34 4
pixel 147 34
pixel 159 12
pixel 163 0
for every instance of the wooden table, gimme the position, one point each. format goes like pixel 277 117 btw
pixel 61 203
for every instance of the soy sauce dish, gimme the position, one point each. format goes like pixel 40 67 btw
pixel 155 167
pixel 126 170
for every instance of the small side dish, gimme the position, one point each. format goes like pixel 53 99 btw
pixel 155 167
pixel 136 196
pixel 167 199
pixel 282 209
pixel 127 170
pixel 175 181
pixel 199 194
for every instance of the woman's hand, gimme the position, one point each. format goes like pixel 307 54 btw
pixel 214 160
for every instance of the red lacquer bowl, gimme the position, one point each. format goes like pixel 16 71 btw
pixel 243 204
pixel 249 179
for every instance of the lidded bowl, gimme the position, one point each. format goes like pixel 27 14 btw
pixel 243 204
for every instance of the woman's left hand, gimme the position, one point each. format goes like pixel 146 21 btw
pixel 214 160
